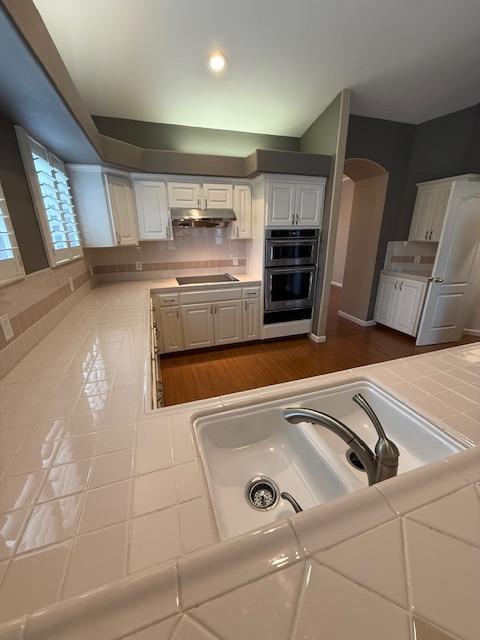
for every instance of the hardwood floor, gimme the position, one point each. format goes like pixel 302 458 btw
pixel 207 373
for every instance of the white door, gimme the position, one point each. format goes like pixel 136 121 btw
pixel 171 329
pixel 198 325
pixel 217 196
pixel 242 207
pixel 408 305
pixel 122 209
pixel 228 321
pixel 152 208
pixel 251 320
pixel 422 214
pixel 280 204
pixel 446 302
pixel 309 205
pixel 385 304
pixel 184 195
pixel 439 211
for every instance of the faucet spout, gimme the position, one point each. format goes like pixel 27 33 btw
pixel 380 465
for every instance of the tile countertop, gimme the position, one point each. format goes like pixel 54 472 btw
pixel 407 274
pixel 107 531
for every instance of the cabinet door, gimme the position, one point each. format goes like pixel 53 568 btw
pixel 439 211
pixel 217 196
pixel 228 321
pixel 184 195
pixel 251 320
pixel 152 208
pixel 197 325
pixel 309 205
pixel 280 204
pixel 122 209
pixel 422 214
pixel 386 296
pixel 242 207
pixel 171 328
pixel 408 306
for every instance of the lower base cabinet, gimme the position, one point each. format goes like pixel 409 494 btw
pixel 171 329
pixel 399 303
pixel 251 320
pixel 198 325
pixel 207 320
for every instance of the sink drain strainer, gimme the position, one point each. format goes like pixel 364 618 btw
pixel 354 460
pixel 262 493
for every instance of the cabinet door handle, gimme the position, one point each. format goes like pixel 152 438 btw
pixel 168 231
pixel 245 305
pixel 211 309
pixel 438 279
pixel 215 307
pixel 117 237
pixel 426 235
pixel 177 315
pixel 198 201
pixel 205 200
pixel 401 285
pixel 430 234
pixel 396 284
pixel 238 231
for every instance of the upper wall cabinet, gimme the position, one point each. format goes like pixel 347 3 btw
pixel 242 207
pixel 429 212
pixel 154 220
pixel 295 203
pixel 191 195
pixel 105 206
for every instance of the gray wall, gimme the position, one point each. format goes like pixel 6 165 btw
pixel 19 201
pixel 172 137
pixel 389 144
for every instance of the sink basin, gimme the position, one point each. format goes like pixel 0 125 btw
pixel 307 461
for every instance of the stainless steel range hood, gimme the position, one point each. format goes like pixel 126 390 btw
pixel 202 217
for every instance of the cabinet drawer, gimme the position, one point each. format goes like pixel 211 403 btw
pixel 166 299
pixel 213 295
pixel 251 292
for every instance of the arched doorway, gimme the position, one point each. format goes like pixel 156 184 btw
pixel 360 219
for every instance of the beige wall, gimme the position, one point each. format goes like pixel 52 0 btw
pixel 366 219
pixel 343 229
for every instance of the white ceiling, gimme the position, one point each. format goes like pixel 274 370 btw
pixel 406 60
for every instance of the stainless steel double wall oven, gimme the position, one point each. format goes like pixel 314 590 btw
pixel 290 268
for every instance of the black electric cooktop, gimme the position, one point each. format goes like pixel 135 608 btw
pixel 224 277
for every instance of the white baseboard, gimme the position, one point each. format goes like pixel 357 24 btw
pixel 317 339
pixel 472 332
pixel 362 323
pixel 337 284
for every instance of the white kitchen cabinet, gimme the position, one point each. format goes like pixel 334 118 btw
pixel 280 204
pixel 105 206
pixel 399 303
pixel 298 204
pixel 217 196
pixel 184 195
pixel 152 207
pixel 228 323
pixel 251 320
pixel 171 328
pixel 242 207
pixel 309 205
pixel 429 212
pixel 198 325
pixel 122 207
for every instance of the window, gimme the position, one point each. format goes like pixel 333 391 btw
pixel 49 186
pixel 11 267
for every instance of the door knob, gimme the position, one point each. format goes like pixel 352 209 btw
pixel 438 279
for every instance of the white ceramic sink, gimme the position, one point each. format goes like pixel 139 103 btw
pixel 307 461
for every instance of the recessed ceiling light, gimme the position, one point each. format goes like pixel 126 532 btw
pixel 217 62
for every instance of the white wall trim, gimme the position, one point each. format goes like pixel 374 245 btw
pixel 362 323
pixel 336 284
pixel 317 339
pixel 472 332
